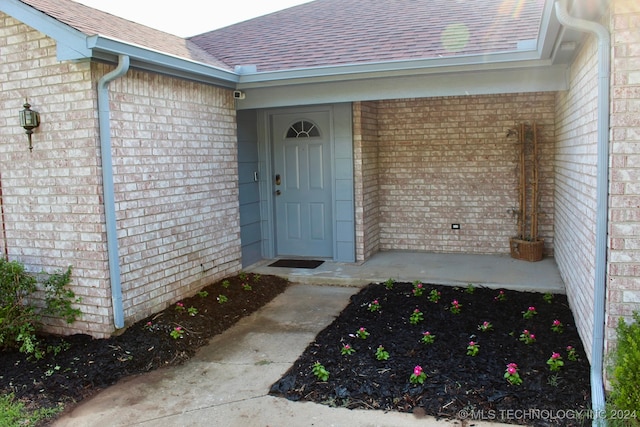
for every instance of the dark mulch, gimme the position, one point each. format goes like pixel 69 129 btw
pixel 458 385
pixel 89 365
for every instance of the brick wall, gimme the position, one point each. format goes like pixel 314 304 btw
pixel 365 136
pixel 623 295
pixel 576 177
pixel 51 197
pixel 175 172
pixel 448 160
pixel 176 187
pixel 575 225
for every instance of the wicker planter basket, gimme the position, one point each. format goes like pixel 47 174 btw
pixel 526 250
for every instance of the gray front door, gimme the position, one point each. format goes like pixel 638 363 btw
pixel 302 182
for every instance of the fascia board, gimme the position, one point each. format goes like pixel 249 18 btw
pixel 107 48
pixel 526 78
pixel 396 73
pixel 382 69
pixel 549 30
pixel 71 43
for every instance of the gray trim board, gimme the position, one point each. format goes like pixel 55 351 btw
pixel 543 79
pixel 342 173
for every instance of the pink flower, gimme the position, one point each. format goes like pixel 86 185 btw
pixel 178 328
pixel 417 370
pixel 532 336
pixel 511 370
pixel 455 302
pixel 426 333
pixel 555 356
pixel 361 329
pixel 347 346
pixel 375 301
pixel 532 308
pixel 416 311
pixel 569 348
pixel 471 343
pixel 526 332
pixel 419 286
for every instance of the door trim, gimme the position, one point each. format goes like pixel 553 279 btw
pixel 342 182
pixel 306 186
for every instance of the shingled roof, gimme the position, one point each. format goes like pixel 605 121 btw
pixel 95 22
pixel 333 32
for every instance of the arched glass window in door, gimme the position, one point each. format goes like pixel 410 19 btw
pixel 303 129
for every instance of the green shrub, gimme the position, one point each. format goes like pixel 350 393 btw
pixel 13 413
pixel 20 318
pixel 59 299
pixel 625 394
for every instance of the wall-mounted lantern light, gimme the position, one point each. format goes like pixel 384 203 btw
pixel 29 120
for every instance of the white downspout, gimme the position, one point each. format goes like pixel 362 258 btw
pixel 602 194
pixel 104 118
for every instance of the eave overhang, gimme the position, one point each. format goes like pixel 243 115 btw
pixel 74 45
pixel 538 65
pixel 108 49
pixel 460 80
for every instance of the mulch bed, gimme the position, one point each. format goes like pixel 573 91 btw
pixel 89 365
pixel 457 385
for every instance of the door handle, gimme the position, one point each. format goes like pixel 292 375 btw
pixel 278 192
pixel 278 182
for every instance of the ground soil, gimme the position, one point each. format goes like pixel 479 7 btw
pixel 87 365
pixel 457 385
pixel 455 381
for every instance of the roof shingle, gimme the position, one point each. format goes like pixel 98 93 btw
pixel 330 32
pixel 333 32
pixel 95 22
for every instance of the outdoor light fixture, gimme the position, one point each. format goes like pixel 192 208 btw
pixel 29 120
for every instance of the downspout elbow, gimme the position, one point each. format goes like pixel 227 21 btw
pixel 602 194
pixel 104 119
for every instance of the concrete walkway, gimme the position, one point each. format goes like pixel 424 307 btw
pixel 227 382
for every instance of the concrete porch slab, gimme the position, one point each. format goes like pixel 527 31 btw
pixel 494 271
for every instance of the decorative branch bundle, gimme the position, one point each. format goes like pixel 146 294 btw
pixel 527 245
pixel 528 181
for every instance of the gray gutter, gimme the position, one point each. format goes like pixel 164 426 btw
pixel 107 48
pixel 602 194
pixel 104 118
pixel 397 68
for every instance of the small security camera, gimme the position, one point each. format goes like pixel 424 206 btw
pixel 238 94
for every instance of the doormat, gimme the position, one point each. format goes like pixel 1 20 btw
pixel 297 263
